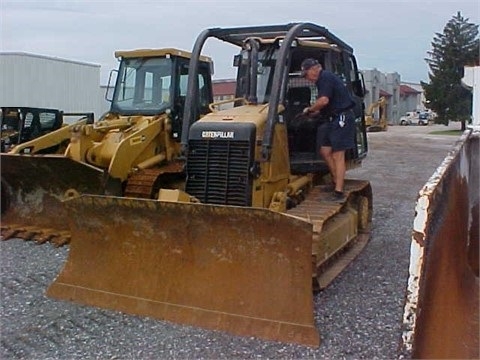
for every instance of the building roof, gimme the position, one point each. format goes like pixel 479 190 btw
pixel 384 93
pixel 224 87
pixel 406 90
pixel 38 56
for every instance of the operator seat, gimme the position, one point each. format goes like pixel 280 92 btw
pixel 298 98
pixel 301 130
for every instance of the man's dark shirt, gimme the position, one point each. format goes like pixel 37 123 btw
pixel 331 86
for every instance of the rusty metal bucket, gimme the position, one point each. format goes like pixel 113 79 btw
pixel 441 316
pixel 242 270
pixel 33 187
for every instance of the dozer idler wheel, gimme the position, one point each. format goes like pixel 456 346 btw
pixel 364 207
pixel 246 271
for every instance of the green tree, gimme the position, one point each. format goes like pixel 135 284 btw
pixel 456 47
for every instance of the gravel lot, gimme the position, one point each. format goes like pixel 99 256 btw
pixel 359 315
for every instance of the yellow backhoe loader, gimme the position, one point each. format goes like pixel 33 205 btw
pixel 380 124
pixel 132 150
pixel 239 247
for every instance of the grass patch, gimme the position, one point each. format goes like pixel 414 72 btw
pixel 447 132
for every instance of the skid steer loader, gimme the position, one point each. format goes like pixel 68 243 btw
pixel 130 151
pixel 22 124
pixel 239 248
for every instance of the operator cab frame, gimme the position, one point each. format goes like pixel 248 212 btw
pixel 269 57
pixel 150 82
pixel 297 93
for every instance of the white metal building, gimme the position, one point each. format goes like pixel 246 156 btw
pixel 42 81
pixel 380 84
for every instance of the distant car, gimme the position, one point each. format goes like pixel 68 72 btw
pixel 423 118
pixel 405 121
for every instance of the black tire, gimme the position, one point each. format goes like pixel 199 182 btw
pixel 5 201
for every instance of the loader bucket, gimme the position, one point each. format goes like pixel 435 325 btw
pixel 441 316
pixel 241 270
pixel 32 190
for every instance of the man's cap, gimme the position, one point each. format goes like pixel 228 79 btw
pixel 307 64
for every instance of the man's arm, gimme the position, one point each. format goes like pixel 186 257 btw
pixel 318 105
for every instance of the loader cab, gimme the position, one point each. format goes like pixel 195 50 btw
pixel 153 82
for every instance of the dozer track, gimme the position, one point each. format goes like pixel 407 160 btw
pixel 340 230
pixel 145 183
pixel 247 271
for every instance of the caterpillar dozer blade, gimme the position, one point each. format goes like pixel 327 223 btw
pixel 32 190
pixel 247 271
pixel 242 270
pixel 441 314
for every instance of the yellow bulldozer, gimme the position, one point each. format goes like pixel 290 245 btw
pixel 132 150
pixel 243 244
pixel 371 122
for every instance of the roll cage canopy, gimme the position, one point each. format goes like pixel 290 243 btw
pixel 240 36
pixel 237 36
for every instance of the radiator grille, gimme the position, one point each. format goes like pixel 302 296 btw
pixel 218 171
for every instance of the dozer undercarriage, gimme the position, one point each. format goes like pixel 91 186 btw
pixel 237 248
pixel 247 271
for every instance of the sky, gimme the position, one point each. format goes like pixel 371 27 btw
pixel 391 36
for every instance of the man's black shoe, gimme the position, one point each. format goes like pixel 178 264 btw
pixel 327 187
pixel 338 197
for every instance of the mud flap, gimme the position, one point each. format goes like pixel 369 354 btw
pixel 441 315
pixel 33 186
pixel 244 271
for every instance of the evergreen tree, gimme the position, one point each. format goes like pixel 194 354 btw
pixel 456 47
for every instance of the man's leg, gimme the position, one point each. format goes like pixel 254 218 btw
pixel 340 169
pixel 327 154
pixel 342 137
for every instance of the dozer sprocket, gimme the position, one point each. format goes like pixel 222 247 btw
pixel 32 189
pixel 247 271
